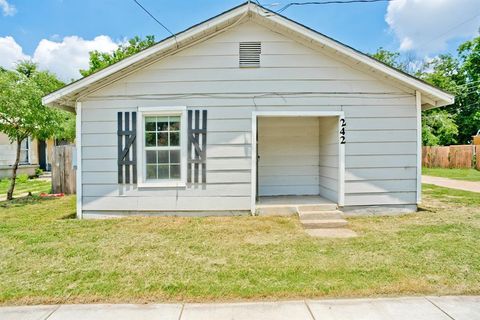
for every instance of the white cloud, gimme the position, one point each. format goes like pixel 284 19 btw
pixel 66 57
pixel 7 9
pixel 427 25
pixel 10 52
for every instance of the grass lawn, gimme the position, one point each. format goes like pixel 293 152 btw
pixel 47 257
pixel 458 174
pixel 34 186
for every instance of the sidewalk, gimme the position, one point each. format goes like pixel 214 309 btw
pixel 418 308
pixel 451 183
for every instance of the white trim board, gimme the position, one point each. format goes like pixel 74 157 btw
pixel 341 149
pixel 78 143
pixel 419 145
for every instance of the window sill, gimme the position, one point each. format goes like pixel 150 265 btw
pixel 148 185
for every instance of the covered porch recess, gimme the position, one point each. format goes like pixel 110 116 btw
pixel 298 161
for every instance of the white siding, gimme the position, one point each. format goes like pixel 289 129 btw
pixel 329 157
pixel 289 156
pixel 8 151
pixel 381 124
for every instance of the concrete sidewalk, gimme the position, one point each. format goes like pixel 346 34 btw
pixel 418 308
pixel 472 186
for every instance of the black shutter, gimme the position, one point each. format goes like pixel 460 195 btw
pixel 197 146
pixel 127 148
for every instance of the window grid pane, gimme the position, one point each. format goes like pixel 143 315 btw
pixel 162 147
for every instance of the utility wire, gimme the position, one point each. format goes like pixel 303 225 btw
pixel 328 2
pixel 153 17
pixel 449 30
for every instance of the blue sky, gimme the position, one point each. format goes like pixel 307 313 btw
pixel 360 25
pixel 25 23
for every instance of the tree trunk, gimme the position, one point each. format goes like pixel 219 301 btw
pixel 14 171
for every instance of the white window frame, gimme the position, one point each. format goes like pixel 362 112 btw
pixel 141 170
pixel 28 148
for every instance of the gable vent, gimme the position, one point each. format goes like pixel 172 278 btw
pixel 250 54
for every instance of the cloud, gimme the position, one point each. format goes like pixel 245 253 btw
pixel 427 25
pixel 67 57
pixel 7 9
pixel 64 57
pixel 10 52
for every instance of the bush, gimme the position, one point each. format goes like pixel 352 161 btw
pixel 38 172
pixel 22 178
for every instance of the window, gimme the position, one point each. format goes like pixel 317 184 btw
pixel 162 157
pixel 24 151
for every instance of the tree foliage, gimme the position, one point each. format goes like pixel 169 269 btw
pixel 22 114
pixel 390 58
pixel 438 128
pixel 459 75
pixel 100 60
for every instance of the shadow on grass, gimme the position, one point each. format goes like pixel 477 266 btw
pixel 23 201
pixel 69 216
pixel 423 209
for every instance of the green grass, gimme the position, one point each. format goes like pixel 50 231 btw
pixel 46 257
pixel 458 174
pixel 34 186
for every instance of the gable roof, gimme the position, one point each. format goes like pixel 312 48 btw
pixel 66 97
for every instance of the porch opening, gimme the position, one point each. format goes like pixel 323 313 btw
pixel 298 158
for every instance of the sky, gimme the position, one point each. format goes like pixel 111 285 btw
pixel 59 34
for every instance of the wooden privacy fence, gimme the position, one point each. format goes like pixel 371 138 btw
pixel 63 173
pixel 464 156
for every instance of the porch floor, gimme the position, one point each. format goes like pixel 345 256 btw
pixel 286 205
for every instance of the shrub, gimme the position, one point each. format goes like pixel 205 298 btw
pixel 38 172
pixel 22 178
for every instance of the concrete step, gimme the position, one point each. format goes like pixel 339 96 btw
pixel 317 207
pixel 324 223
pixel 272 210
pixel 331 233
pixel 316 215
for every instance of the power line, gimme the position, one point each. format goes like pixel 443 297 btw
pixel 449 30
pixel 153 17
pixel 328 2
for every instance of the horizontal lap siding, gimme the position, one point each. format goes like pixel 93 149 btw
pixel 287 147
pixel 329 158
pixel 380 124
pixel 380 159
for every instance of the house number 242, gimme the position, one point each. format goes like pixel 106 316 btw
pixel 343 124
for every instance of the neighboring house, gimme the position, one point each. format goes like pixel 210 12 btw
pixel 242 107
pixel 33 154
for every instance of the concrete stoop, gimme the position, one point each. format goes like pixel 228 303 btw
pixel 325 223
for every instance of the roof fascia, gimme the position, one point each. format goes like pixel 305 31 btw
pixel 178 42
pixel 444 98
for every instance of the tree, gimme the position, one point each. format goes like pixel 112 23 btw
pixel 393 59
pixel 438 128
pixel 22 114
pixel 100 60
pixel 438 125
pixel 467 106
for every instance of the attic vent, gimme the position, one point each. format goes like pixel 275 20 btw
pixel 250 54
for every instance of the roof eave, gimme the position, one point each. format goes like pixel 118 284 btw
pixel 442 98
pixel 67 96
pixel 78 86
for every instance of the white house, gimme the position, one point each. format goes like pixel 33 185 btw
pixel 240 109
pixel 33 154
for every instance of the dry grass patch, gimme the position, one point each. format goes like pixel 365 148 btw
pixel 45 258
